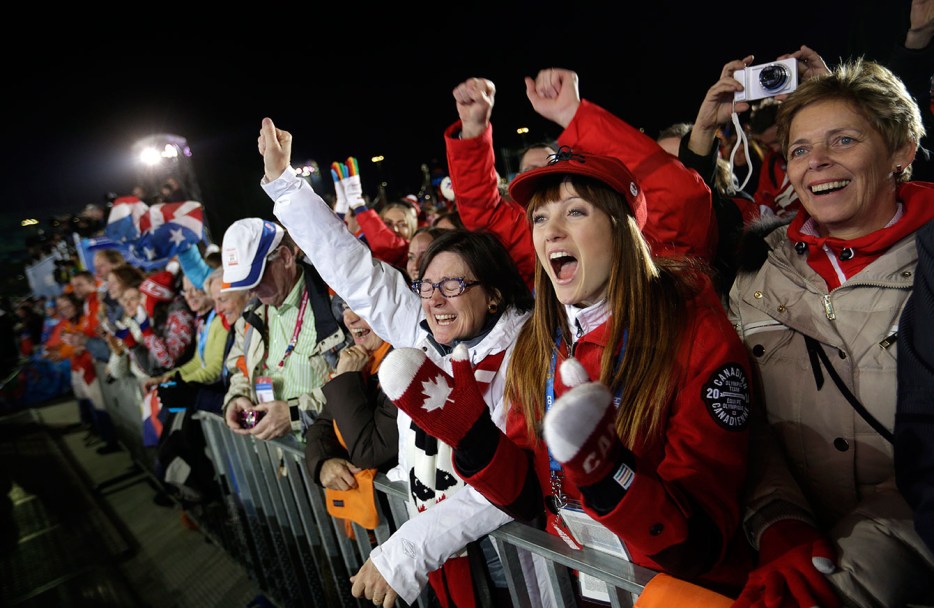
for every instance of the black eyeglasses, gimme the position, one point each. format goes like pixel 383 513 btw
pixel 449 287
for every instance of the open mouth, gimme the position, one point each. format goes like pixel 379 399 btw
pixel 563 265
pixel 359 334
pixel 829 187
pixel 444 320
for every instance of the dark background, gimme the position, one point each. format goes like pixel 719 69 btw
pixel 354 85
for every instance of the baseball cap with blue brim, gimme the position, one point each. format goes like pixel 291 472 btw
pixel 246 245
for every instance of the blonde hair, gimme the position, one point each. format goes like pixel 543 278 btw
pixel 874 91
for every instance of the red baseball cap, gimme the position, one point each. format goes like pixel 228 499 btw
pixel 607 169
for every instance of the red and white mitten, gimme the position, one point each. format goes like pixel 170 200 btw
pixel 445 407
pixel 581 434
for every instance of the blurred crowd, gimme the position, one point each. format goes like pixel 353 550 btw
pixel 713 344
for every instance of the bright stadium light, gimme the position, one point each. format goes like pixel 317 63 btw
pixel 149 156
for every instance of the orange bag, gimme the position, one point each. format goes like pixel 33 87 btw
pixel 664 591
pixel 357 505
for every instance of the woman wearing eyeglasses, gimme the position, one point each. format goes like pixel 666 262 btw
pixel 467 291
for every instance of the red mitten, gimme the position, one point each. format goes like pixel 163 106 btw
pixel 445 407
pixel 793 559
pixel 581 434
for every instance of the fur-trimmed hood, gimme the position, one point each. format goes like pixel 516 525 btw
pixel 753 247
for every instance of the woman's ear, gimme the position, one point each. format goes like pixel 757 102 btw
pixel 905 155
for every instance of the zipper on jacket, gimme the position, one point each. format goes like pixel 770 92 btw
pixel 828 307
pixel 888 341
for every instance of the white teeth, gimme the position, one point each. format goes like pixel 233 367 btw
pixel 558 254
pixel 829 186
pixel 444 317
pixel 359 332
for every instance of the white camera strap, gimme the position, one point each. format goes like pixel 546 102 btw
pixel 740 138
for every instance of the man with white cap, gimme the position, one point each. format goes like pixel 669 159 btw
pixel 286 338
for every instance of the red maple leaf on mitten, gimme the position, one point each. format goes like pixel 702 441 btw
pixel 445 407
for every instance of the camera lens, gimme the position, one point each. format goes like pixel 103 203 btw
pixel 773 77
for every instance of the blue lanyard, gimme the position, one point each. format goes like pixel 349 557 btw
pixel 203 337
pixel 550 385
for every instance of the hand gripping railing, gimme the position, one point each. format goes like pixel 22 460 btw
pixel 301 555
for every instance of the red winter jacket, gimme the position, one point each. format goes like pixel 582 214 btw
pixel 684 505
pixel 680 213
pixel 385 244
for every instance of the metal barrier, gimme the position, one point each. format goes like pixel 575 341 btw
pixel 122 400
pixel 274 521
pixel 283 514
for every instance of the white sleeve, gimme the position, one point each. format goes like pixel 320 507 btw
pixel 423 543
pixel 376 291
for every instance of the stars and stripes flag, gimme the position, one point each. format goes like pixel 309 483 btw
pixel 123 222
pixel 168 229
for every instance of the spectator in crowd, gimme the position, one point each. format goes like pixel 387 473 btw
pixel 914 414
pixel 84 285
pixel 204 366
pixel 536 155
pixel 166 321
pixel 91 221
pixel 644 442
pixel 157 331
pixel 128 354
pixel 732 208
pixel 197 265
pixel 119 278
pixel 182 462
pixel 66 343
pixel 468 292
pixel 171 191
pixel 286 334
pixel 680 216
pixel 50 319
pixel 104 261
pixel 773 190
pixel 229 306
pixel 417 246
pixel 824 301
pixel 389 232
pixel 449 219
pixel 356 430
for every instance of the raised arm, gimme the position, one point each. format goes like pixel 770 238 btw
pixel 375 290
pixel 469 144
pixel 680 213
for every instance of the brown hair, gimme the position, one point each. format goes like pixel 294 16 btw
pixel 111 255
pixel 129 276
pixel 646 299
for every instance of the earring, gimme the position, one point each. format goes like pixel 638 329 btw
pixel 492 308
pixel 898 170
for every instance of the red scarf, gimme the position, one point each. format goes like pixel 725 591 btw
pixel 853 255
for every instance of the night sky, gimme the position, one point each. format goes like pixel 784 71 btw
pixel 72 122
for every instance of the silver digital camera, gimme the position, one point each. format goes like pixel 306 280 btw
pixel 767 80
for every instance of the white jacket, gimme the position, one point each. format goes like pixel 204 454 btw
pixel 381 295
